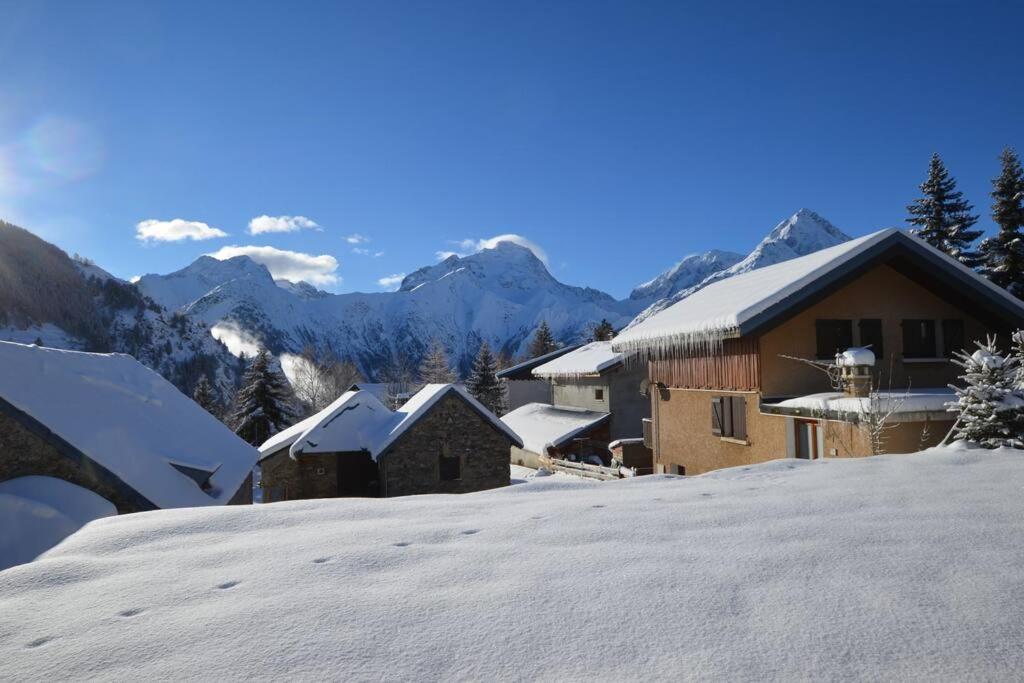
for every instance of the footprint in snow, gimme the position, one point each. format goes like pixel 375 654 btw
pixel 707 495
pixel 470 532
pixel 597 506
pixel 537 517
pixel 228 584
pixel 39 642
pixel 321 560
pixel 128 613
pixel 402 544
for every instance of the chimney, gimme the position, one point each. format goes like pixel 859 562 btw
pixel 855 366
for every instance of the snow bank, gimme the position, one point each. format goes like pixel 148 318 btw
pixel 37 513
pixel 891 567
pixel 591 359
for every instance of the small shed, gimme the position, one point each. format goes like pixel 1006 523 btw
pixel 557 431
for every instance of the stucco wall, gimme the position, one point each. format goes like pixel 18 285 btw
pixel 580 393
pixel 521 392
pixel 884 294
pixel 412 464
pixel 629 407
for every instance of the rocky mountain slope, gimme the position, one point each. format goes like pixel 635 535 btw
pixel 685 274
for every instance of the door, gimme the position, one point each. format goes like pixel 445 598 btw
pixel 806 440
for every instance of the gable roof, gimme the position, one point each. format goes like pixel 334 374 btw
pixel 524 370
pixel 129 420
pixel 541 425
pixel 590 359
pixel 358 421
pixel 762 298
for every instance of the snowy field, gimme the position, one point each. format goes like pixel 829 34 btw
pixel 893 567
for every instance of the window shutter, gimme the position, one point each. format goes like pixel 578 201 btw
pixel 739 417
pixel 952 337
pixel 717 421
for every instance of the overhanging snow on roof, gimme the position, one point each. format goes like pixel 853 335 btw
pixel 591 359
pixel 129 420
pixel 749 302
pixel 542 426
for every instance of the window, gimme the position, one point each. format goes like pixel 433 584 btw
pixel 598 394
pixel 919 339
pixel 952 337
pixel 834 336
pixel 871 335
pixel 729 416
pixel 449 466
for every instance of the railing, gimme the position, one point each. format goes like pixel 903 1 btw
pixel 582 469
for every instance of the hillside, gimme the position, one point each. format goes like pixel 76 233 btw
pixel 46 295
pixel 892 567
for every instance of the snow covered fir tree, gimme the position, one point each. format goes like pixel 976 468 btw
pixel 543 341
pixel 603 331
pixel 989 403
pixel 483 383
pixel 205 396
pixel 264 404
pixel 1002 254
pixel 435 368
pixel 943 218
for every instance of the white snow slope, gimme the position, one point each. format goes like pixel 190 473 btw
pixel 499 294
pixel 891 568
pixel 803 233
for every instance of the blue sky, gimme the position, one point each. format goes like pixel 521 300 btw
pixel 616 136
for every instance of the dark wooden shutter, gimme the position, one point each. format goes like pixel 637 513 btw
pixel 739 417
pixel 717 416
pixel 871 335
pixel 919 339
pixel 833 336
pixel 952 337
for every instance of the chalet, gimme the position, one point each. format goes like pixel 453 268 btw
pixel 442 440
pixel 110 425
pixel 521 387
pixel 733 367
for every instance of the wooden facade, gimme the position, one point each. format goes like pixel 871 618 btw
pixel 736 367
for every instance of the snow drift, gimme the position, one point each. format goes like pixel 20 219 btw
pixel 891 567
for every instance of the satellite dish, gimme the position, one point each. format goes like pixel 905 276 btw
pixel 645 387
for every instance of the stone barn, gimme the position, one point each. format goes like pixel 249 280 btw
pixel 441 441
pixel 110 425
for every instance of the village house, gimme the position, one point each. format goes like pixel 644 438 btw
pixel 442 440
pixel 595 399
pixel 108 424
pixel 521 387
pixel 844 352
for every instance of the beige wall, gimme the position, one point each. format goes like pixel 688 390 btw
pixel 683 434
pixel 881 293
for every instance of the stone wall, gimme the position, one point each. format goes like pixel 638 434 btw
pixel 412 464
pixel 313 476
pixel 25 452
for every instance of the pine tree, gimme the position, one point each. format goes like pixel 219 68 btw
pixel 603 331
pixel 986 402
pixel 264 404
pixel 1003 254
pixel 483 384
pixel 435 368
pixel 205 396
pixel 543 341
pixel 943 217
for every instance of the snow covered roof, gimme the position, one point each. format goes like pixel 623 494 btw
pixel 378 389
pixel 591 359
pixel 744 303
pixel 899 402
pixel 128 419
pixel 541 425
pixel 524 370
pixel 358 421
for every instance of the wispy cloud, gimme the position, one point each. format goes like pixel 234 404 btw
pixel 288 265
pixel 360 251
pixel 262 224
pixel 356 238
pixel 471 246
pixel 391 282
pixel 175 230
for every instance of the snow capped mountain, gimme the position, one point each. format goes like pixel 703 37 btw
pixel 499 295
pixel 802 233
pixel 685 274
